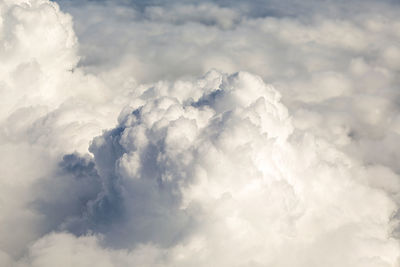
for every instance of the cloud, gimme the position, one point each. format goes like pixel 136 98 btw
pixel 118 150
pixel 49 108
pixel 213 171
pixel 229 152
pixel 325 55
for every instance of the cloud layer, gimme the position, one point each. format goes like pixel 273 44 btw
pixel 156 141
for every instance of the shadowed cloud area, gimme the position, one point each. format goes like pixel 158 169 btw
pixel 187 133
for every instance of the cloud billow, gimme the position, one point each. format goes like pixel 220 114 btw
pixel 215 167
pixel 118 150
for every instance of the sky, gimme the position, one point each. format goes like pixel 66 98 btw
pixel 199 133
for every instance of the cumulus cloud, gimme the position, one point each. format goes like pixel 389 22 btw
pixel 119 150
pixel 339 56
pixel 212 171
pixel 48 109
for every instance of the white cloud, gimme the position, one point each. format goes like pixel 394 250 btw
pixel 221 170
pixel 49 108
pixel 220 177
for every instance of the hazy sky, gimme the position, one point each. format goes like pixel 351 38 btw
pixel 199 133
